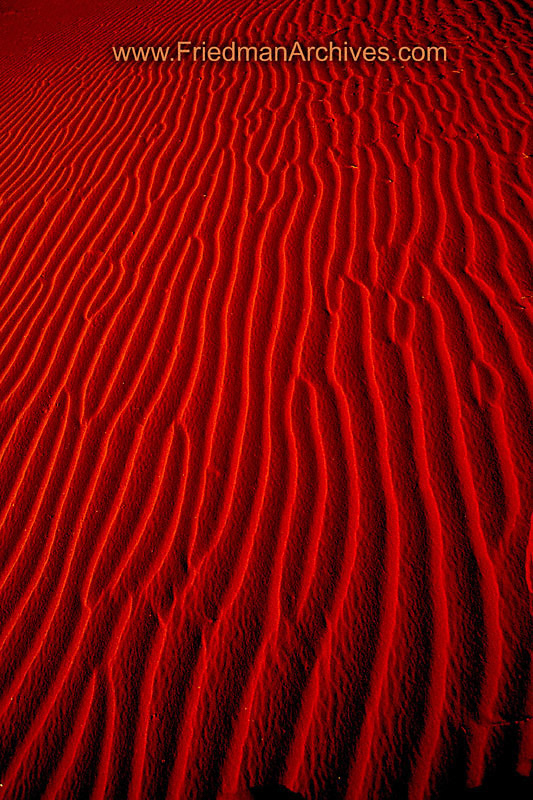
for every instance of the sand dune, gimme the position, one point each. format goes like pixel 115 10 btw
pixel 266 434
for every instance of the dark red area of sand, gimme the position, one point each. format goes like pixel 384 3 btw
pixel 266 381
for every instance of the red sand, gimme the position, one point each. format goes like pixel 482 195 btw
pixel 266 438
